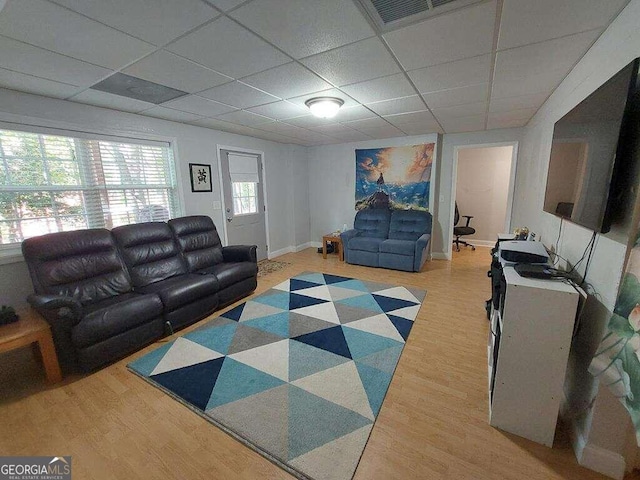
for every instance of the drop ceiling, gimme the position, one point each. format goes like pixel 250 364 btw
pixel 248 66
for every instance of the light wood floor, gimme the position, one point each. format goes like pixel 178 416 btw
pixel 433 423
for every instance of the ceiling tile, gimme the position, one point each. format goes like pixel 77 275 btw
pixel 457 96
pixel 302 27
pixel 385 88
pixel 242 117
pixel 55 28
pixel 286 81
pixel 239 95
pixel 413 117
pixel 472 123
pixel 225 5
pixel 547 19
pixel 215 124
pixel 398 105
pixel 465 110
pixel 170 114
pixel 285 129
pixel 198 106
pixel 357 62
pixel 519 114
pixel 174 71
pixel 332 92
pixel 421 128
pixel 505 123
pixel 154 21
pixel 460 34
pixel 351 136
pixel 513 103
pixel 333 129
pixel 462 73
pixel 243 53
pixel 308 121
pixel 373 122
pixel 23 58
pixel 384 131
pixel 540 67
pixel 358 112
pixel 280 110
pixel 108 100
pixel 38 86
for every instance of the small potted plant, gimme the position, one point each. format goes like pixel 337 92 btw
pixel 7 315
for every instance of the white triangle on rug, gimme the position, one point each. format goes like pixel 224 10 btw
pixel 284 286
pixel 398 292
pixel 183 353
pixel 324 311
pixel 272 358
pixel 321 291
pixel 335 460
pixel 410 313
pixel 338 293
pixel 253 310
pixel 341 385
pixel 379 325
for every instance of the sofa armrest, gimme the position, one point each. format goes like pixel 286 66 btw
pixel 422 251
pixel 240 253
pixel 348 235
pixel 57 309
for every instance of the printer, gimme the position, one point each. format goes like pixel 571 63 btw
pixel 522 251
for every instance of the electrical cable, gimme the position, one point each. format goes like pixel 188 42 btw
pixel 584 253
pixel 555 252
pixel 586 268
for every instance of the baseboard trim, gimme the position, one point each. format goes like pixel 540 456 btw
pixel 304 246
pixel 282 251
pixel 603 461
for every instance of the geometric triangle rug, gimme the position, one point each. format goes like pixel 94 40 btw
pixel 298 373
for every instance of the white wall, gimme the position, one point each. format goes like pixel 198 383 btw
pixel 482 190
pixel 332 177
pixel 618 46
pixel 285 166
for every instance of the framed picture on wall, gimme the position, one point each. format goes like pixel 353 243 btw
pixel 200 177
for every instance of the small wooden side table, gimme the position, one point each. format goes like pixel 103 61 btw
pixel 336 241
pixel 32 329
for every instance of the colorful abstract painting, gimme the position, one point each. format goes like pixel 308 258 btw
pixel 397 178
pixel 617 362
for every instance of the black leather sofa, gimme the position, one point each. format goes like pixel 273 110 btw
pixel 108 293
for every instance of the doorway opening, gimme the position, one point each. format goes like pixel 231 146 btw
pixel 483 182
pixel 243 198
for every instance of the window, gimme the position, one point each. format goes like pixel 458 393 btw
pixel 51 183
pixel 245 198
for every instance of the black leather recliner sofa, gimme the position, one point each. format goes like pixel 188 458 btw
pixel 108 293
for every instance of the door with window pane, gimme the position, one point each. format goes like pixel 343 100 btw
pixel 243 200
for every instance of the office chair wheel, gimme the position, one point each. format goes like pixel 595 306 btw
pixel 473 248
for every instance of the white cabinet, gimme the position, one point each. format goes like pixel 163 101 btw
pixel 528 349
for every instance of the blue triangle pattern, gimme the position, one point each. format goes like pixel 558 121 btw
pixel 237 380
pixel 147 363
pixel 362 343
pixel 330 339
pixel 305 360
pixel 278 300
pixel 314 421
pixel 300 301
pixel 193 383
pixel 375 382
pixel 385 360
pixel 317 278
pixel 362 301
pixel 277 323
pixel 354 285
pixel 402 325
pixel 331 279
pixel 216 338
pixel 295 284
pixel 388 304
pixel 235 313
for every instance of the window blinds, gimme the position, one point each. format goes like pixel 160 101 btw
pixel 243 168
pixel 52 183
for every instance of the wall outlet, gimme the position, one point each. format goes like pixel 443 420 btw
pixel 217 205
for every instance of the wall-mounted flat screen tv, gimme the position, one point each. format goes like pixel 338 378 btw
pixel 592 173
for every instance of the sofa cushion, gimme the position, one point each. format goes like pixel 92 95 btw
pixel 114 316
pixel 409 224
pixel 372 223
pixel 400 247
pixel 230 273
pixel 82 264
pixel 150 252
pixel 177 291
pixel 368 244
pixel 198 240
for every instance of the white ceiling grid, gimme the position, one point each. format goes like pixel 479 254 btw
pixel 249 65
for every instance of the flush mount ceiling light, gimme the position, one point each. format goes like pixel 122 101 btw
pixel 324 107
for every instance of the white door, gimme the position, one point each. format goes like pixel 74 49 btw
pixel 244 200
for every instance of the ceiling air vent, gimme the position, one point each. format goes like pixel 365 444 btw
pixel 138 89
pixel 391 14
